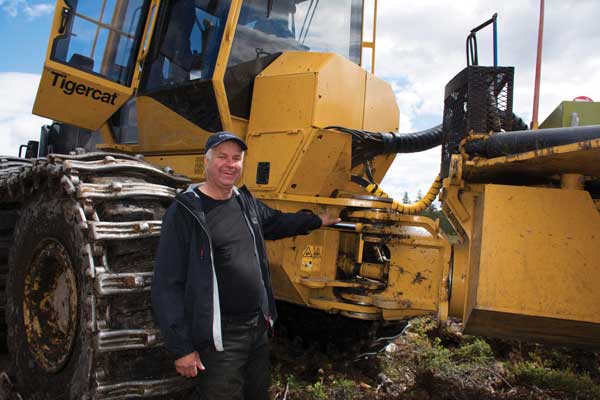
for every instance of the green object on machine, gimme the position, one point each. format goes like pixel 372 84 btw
pixel 567 112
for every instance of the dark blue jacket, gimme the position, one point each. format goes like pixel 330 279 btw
pixel 185 294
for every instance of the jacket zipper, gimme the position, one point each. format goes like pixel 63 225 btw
pixel 218 341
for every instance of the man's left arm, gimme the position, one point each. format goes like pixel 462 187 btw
pixel 278 225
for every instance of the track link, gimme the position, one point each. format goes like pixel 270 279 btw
pixel 117 202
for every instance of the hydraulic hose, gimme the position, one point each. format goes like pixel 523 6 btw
pixel 412 142
pixel 366 145
pixel 411 209
pixel 507 143
pixel 518 124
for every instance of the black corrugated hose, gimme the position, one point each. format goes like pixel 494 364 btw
pixel 507 143
pixel 366 145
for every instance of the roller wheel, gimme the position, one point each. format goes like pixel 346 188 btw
pixel 50 344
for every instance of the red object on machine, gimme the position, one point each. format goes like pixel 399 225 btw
pixel 538 68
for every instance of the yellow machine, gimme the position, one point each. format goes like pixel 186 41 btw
pixel 138 85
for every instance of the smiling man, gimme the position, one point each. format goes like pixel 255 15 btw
pixel 211 292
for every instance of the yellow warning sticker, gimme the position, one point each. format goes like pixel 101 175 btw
pixel 311 258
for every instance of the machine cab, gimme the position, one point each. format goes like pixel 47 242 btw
pixel 161 74
pixel 90 69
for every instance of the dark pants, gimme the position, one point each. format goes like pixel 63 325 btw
pixel 242 370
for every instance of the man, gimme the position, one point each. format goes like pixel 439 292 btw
pixel 211 291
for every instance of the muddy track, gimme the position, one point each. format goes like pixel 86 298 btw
pixel 86 325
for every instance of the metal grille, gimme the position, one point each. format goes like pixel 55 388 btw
pixel 478 99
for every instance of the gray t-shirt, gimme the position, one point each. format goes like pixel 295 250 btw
pixel 241 289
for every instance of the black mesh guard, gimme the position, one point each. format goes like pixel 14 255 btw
pixel 478 99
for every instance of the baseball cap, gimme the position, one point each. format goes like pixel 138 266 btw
pixel 217 138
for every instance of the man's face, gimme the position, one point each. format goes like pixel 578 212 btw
pixel 224 168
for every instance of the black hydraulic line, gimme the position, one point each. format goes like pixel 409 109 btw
pixel 369 171
pixel 392 142
pixel 413 142
pixel 366 145
pixel 518 124
pixel 360 180
pixel 507 143
pixel 472 57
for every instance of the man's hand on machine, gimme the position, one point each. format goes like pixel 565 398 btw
pixel 327 220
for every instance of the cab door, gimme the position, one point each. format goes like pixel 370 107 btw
pixel 91 69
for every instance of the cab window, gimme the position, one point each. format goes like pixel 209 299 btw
pixel 266 28
pixel 101 37
pixel 179 67
pixel 186 43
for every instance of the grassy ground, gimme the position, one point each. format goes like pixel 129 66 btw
pixel 422 363
pixel 426 363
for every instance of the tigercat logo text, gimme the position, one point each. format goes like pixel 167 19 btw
pixel 70 87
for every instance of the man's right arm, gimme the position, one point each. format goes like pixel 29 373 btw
pixel 169 282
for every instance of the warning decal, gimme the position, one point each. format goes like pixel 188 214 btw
pixel 311 258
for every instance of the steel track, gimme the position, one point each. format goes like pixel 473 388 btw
pixel 119 202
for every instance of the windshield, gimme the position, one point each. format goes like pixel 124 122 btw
pixel 330 26
pixel 187 42
pixel 179 69
pixel 266 28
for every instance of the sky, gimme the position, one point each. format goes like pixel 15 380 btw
pixel 420 46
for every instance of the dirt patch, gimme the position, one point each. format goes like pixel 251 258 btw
pixel 424 362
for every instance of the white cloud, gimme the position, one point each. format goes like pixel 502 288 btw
pixel 10 7
pixel 421 46
pixel 17 124
pixel 38 10
pixel 30 10
pixel 424 44
pixel 412 172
